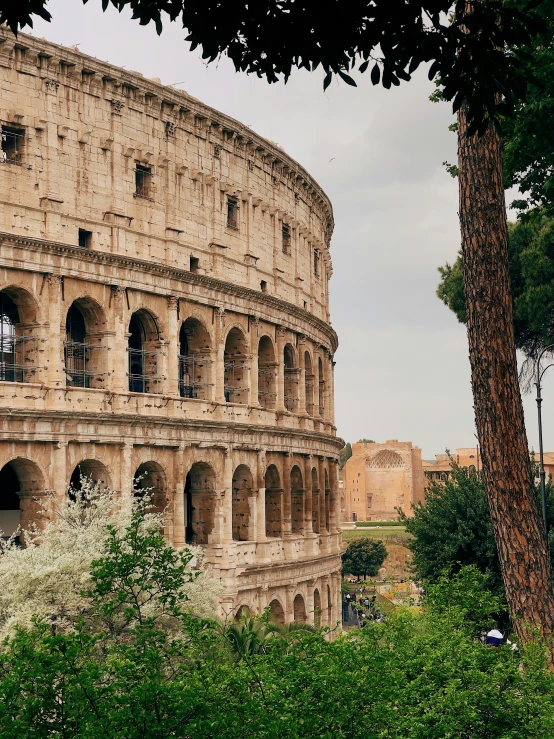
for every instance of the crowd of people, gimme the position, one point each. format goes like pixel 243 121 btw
pixel 363 607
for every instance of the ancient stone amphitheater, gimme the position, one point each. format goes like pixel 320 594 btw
pixel 164 319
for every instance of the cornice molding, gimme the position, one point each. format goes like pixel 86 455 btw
pixel 210 283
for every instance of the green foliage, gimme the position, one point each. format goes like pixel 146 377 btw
pixel 531 262
pixel 378 524
pixel 345 454
pixel 365 441
pixel 363 556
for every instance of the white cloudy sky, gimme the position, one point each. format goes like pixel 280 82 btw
pixel 402 369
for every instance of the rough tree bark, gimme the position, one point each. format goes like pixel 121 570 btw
pixel 518 529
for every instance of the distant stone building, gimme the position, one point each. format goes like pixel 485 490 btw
pixel 439 469
pixel 379 478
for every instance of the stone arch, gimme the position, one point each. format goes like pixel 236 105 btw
pixel 195 364
pixel 242 611
pixel 21 482
pixel 273 502
pixel 317 608
pixel 150 478
pixel 386 459
pixel 89 468
pixel 235 367
pixel 267 394
pixel 299 610
pixel 291 378
pixel 309 383
pixel 143 344
pixel 200 502
pixel 84 353
pixel 315 502
pixel 18 335
pixel 321 387
pixel 243 486
pixel 297 500
pixel 276 611
pixel 327 499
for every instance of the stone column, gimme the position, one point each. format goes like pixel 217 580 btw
pixel 280 380
pixel 261 495
pixel 308 495
pixel 220 354
pixel 56 373
pixel 227 533
pixel 322 494
pixel 59 462
pixel 253 363
pixel 287 523
pixel 179 496
pixel 310 602
pixel 172 346
pixel 334 507
pixel 331 391
pixel 301 376
pixel 117 355
pixel 126 472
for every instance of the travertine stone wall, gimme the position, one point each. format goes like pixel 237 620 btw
pixel 379 478
pixel 164 286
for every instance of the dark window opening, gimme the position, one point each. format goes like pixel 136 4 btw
pixel 233 213
pixel 316 262
pixel 12 145
pixel 85 238
pixel 263 286
pixel 194 264
pixel 286 239
pixel 76 350
pixel 305 305
pixel 143 181
pixel 10 371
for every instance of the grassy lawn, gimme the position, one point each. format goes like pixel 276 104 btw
pixel 395 539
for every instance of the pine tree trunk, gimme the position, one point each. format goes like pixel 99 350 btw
pixel 518 529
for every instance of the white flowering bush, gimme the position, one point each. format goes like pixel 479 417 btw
pixel 50 576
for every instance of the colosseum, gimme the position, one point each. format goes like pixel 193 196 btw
pixel 164 319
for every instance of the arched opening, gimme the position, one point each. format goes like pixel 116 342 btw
pixel 315 502
pixel 150 479
pixel 267 394
pixel 327 501
pixel 317 608
pixel 297 500
pixel 88 469
pixel 18 345
pixel 299 610
pixel 235 368
pixel 273 502
pixel 242 612
pixel 329 606
pixel 143 353
pixel 309 383
pixel 291 379
pixel 83 350
pixel 199 503
pixel 242 491
pixel 195 365
pixel 21 482
pixel 321 387
pixel 276 612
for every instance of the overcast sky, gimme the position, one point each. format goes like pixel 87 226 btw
pixel 402 368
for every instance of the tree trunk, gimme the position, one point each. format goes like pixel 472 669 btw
pixel 518 529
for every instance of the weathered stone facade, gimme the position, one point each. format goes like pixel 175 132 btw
pixel 379 478
pixel 164 297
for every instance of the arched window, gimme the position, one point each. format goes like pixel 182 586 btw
pixel 88 469
pixel 297 500
pixel 276 612
pixel 200 501
pixel 143 354
pixel 21 482
pixel 150 479
pixel 242 490
pixel 315 501
pixel 194 360
pixel 329 606
pixel 291 379
pixel 299 610
pixel 83 350
pixel 17 350
pixel 236 368
pixel 327 500
pixel 273 502
pixel 266 373
pixel 309 383
pixel 321 387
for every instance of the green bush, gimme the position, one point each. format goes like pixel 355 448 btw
pixel 373 524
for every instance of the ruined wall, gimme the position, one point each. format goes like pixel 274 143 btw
pixel 164 292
